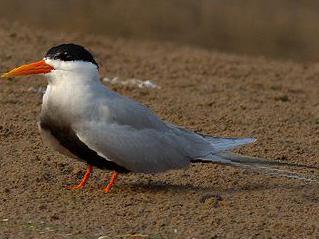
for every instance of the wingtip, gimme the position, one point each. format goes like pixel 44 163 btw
pixel 247 140
pixel 252 140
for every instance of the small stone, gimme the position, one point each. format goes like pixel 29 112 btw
pixel 283 98
pixel 55 217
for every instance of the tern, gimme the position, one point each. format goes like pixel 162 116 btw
pixel 81 118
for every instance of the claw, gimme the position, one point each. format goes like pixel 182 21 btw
pixel 83 181
pixel 76 187
pixel 112 182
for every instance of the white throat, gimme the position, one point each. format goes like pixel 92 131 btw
pixel 71 72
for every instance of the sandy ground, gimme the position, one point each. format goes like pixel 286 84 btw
pixel 226 95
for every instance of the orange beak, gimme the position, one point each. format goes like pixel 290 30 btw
pixel 39 67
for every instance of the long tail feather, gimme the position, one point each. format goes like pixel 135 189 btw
pixel 262 165
pixel 255 160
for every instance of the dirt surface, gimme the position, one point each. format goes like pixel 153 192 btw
pixel 226 95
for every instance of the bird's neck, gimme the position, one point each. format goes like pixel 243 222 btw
pixel 71 93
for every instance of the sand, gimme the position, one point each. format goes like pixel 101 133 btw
pixel 214 93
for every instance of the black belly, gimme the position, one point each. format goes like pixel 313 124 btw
pixel 68 139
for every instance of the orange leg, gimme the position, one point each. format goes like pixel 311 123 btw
pixel 111 183
pixel 84 179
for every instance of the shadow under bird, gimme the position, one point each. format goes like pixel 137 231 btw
pixel 82 118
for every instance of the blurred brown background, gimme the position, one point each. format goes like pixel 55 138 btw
pixel 286 29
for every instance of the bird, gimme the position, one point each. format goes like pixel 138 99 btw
pixel 82 118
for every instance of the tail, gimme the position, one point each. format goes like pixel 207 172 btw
pixel 273 168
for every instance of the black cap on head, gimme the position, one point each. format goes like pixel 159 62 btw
pixel 70 52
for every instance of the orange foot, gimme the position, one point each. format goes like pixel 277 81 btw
pixel 84 179
pixel 112 182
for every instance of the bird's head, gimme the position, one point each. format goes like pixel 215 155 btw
pixel 59 61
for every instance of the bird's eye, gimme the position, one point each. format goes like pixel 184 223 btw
pixel 64 56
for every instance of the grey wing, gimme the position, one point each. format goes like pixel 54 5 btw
pixel 132 136
pixel 138 150
pixel 150 150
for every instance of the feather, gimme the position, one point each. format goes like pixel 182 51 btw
pixel 221 144
pixel 262 165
